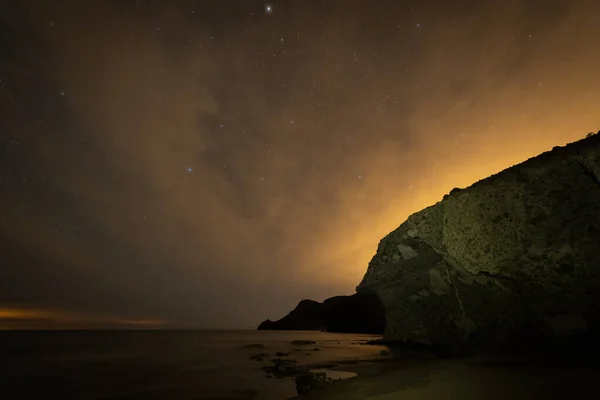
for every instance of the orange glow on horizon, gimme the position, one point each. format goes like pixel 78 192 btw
pixel 189 175
pixel 34 318
pixel 352 254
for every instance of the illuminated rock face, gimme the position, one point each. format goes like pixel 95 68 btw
pixel 513 259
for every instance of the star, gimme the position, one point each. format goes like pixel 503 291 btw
pixel 189 169
pixel 268 8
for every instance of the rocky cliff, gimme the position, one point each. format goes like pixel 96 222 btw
pixel 512 260
pixel 359 313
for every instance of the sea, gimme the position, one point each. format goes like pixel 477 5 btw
pixel 164 364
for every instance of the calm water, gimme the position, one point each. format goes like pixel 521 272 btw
pixel 159 364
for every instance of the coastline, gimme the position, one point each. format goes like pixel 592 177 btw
pixel 373 377
pixel 474 377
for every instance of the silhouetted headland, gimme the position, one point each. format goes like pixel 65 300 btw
pixel 359 313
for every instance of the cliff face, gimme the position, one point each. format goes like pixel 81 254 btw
pixel 514 258
pixel 359 313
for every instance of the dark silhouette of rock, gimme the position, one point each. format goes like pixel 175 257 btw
pixel 310 381
pixel 254 346
pixel 359 313
pixel 282 368
pixel 308 315
pixel 305 379
pixel 303 342
pixel 283 360
pixel 259 356
pixel 511 262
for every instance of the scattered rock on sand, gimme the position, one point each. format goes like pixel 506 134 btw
pixel 309 381
pixel 283 360
pixel 282 368
pixel 259 356
pixel 280 354
pixel 323 366
pixel 384 353
pixel 302 342
pixel 316 349
pixel 254 346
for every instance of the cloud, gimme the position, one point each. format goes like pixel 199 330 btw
pixel 213 167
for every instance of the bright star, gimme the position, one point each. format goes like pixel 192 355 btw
pixel 268 9
pixel 189 169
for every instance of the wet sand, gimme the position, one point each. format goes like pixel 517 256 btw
pixel 474 378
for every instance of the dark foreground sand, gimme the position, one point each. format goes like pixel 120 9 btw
pixel 465 379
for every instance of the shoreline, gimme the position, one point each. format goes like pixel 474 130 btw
pixel 337 368
pixel 473 377
pixel 368 372
pixel 376 369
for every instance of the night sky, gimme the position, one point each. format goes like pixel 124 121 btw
pixel 210 163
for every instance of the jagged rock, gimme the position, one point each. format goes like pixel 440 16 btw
pixel 513 260
pixel 354 314
pixel 309 381
pixel 283 368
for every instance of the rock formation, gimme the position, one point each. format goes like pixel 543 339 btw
pixel 512 260
pixel 359 313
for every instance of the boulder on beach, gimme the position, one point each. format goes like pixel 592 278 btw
pixel 284 368
pixel 309 381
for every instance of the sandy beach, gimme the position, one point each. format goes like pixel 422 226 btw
pixel 471 378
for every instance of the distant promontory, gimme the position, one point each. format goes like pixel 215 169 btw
pixel 359 313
